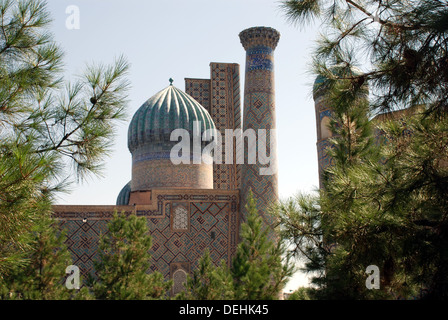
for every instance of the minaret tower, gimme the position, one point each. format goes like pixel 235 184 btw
pixel 323 116
pixel 259 113
pixel 324 113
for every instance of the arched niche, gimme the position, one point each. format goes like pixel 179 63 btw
pixel 325 131
pixel 179 279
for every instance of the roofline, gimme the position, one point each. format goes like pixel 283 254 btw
pixel 231 63
pixel 204 79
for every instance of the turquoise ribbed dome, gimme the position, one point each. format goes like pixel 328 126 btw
pixel 164 112
pixel 124 195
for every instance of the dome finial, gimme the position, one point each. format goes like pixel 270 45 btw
pixel 171 81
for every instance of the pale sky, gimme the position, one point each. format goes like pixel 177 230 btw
pixel 178 39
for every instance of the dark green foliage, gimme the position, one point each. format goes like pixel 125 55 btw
pixel 300 220
pixel 382 204
pixel 402 43
pixel 124 261
pixel 43 276
pixel 302 293
pixel 301 11
pixel 51 135
pixel 259 269
pixel 415 184
pixel 208 282
pixel 345 230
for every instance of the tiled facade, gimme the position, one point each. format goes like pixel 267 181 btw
pixel 323 112
pixel 199 89
pixel 220 95
pixel 189 207
pixel 226 112
pixel 162 173
pixel 210 220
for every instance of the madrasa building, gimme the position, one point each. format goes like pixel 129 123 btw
pixel 197 205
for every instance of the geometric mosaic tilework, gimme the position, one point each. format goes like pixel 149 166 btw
pixel 260 81
pixel 261 58
pixel 323 114
pixel 324 160
pixel 162 173
pixel 259 113
pixel 83 226
pixel 226 113
pixel 199 89
pixel 220 95
pixel 213 223
pixel 82 242
pixel 326 113
pixel 265 193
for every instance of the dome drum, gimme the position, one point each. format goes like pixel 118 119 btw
pixel 149 141
pixel 163 174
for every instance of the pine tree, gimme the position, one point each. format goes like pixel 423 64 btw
pixel 259 268
pixel 415 180
pixel 383 205
pixel 401 43
pixel 124 261
pixel 53 133
pixel 347 231
pixel 302 293
pixel 208 282
pixel 42 278
pixel 301 228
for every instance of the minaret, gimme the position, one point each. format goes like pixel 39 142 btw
pixel 323 115
pixel 259 113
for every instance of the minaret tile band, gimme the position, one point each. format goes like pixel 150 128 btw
pixel 259 113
